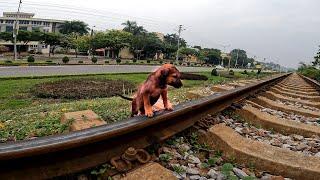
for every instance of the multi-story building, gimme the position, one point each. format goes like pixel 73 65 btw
pixel 27 22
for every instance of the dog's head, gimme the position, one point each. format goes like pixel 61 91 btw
pixel 170 75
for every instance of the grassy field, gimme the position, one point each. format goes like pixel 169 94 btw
pixel 25 116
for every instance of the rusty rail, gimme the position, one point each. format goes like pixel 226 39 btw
pixel 313 82
pixel 57 155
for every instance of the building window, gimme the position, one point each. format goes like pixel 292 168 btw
pixel 23 22
pixel 9 21
pixel 35 29
pixel 9 28
pixel 23 28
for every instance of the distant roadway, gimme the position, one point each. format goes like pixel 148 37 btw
pixel 21 71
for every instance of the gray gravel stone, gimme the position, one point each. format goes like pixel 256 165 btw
pixel 192 171
pixel 193 159
pixel 212 173
pixel 239 172
pixel 194 177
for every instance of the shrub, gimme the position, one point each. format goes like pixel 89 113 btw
pixel 160 62
pixel 141 62
pixel 148 61
pixel 80 62
pixel 65 59
pixel 180 63
pixel 8 62
pixel 94 60
pixel 214 72
pixel 127 62
pixel 106 62
pixel 48 61
pixel 190 76
pixel 245 72
pixel 118 60
pixel 188 63
pixel 231 72
pixel 30 59
pixel 134 60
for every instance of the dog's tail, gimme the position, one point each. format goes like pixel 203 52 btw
pixel 124 97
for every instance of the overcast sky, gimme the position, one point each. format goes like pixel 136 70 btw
pixel 282 31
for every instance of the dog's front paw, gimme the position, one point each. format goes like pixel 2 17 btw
pixel 169 107
pixel 149 114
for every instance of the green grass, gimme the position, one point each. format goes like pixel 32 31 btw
pixel 24 116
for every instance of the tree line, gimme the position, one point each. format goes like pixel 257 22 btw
pixel 143 44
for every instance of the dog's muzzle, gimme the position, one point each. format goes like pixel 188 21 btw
pixel 177 84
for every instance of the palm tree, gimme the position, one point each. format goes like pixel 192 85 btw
pixel 132 27
pixel 76 27
pixel 129 26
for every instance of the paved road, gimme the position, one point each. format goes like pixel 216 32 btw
pixel 21 71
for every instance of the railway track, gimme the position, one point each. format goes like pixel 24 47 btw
pixel 268 104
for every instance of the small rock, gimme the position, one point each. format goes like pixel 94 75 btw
pixel 301 147
pixel 194 177
pixel 192 171
pixel 297 137
pixel 276 142
pixel 180 176
pixel 277 178
pixel 203 178
pixel 238 130
pixel 220 176
pixel 184 147
pixel 239 172
pixel 212 174
pixel 193 159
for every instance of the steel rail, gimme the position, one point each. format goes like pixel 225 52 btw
pixel 57 155
pixel 313 82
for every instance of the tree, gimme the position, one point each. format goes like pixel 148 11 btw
pixel 316 61
pixel 52 40
pixel 146 45
pixel 76 27
pixel 6 36
pixel 184 51
pixel 133 28
pixel 115 40
pixel 211 56
pixel 238 57
pixel 173 40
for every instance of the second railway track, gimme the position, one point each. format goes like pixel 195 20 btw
pixel 278 130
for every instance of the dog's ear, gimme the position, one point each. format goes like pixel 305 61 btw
pixel 163 77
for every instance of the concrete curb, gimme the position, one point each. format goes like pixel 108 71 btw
pixel 263 156
pixel 284 126
pixel 274 96
pixel 288 109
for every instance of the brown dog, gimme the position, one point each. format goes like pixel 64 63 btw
pixel 155 86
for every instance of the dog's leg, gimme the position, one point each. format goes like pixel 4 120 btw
pixel 147 105
pixel 167 105
pixel 134 108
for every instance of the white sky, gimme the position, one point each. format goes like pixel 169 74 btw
pixel 282 31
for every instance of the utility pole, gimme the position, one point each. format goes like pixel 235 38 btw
pixel 224 50
pixel 15 31
pixel 91 46
pixel 179 33
pixel 237 58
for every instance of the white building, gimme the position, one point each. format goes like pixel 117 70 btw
pixel 27 22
